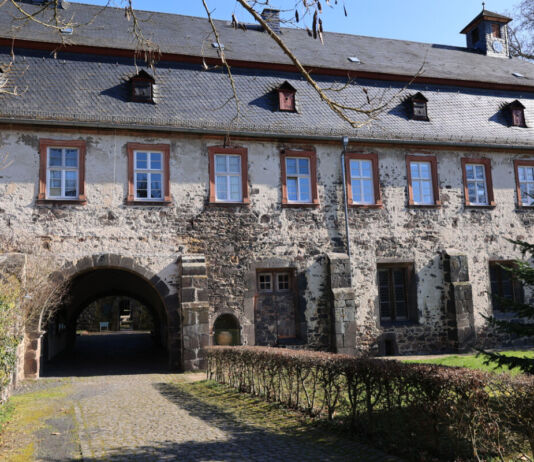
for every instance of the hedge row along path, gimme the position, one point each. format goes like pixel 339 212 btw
pixel 149 417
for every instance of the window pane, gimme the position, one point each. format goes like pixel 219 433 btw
pixel 427 192
pixel 141 160
pixel 71 158
pixel 416 189
pixel 469 172
pixel 292 189
pixel 481 193
pixel 356 191
pixel 54 159
pixel 383 293
pixel 55 174
pixel 522 173
pixel 221 183
pixel 234 164
pixel 472 192
pixel 142 185
pixel 235 188
pixel 530 194
pixel 479 171
pixel 530 173
pixel 524 193
pixel 155 161
pixel 355 168
pixel 55 191
pixel 304 189
pixel 155 186
pixel 304 166
pixel 368 191
pixel 424 170
pixel 71 183
pixel 220 164
pixel 414 169
pixel 291 166
pixel 367 170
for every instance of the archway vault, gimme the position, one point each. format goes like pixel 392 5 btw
pixel 94 277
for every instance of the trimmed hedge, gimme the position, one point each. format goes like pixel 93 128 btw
pixel 421 411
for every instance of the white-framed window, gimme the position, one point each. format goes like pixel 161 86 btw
pixel 422 188
pixel 62 173
pixel 148 176
pixel 298 179
pixel 361 178
pixel 265 282
pixel 282 282
pixel 475 175
pixel 228 178
pixel 526 184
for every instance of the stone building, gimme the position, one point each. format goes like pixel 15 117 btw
pixel 144 183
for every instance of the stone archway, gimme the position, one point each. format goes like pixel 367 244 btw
pixel 97 276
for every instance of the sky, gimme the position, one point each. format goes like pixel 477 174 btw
pixel 432 21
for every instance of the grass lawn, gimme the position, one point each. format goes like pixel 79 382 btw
pixel 474 361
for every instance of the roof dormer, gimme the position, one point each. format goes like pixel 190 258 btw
pixel 142 87
pixel 516 114
pixel 488 34
pixel 286 97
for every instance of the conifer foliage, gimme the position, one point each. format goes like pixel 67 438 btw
pixel 522 323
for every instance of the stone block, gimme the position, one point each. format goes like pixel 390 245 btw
pixel 84 263
pixel 188 295
pixel 202 295
pixel 193 270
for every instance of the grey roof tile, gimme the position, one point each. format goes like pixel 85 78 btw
pixel 88 89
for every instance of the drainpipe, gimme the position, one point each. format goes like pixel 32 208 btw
pixel 345 141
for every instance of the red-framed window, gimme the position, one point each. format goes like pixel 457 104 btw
pixel 299 178
pixel 148 174
pixel 423 182
pixel 478 182
pixel 62 171
pixel 524 181
pixel 228 172
pixel 363 186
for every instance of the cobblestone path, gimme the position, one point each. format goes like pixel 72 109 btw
pixel 143 418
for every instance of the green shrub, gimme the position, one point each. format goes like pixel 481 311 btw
pixel 421 411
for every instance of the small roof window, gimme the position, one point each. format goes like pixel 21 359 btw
pixel 516 114
pixel 354 59
pixel 142 87
pixel 286 97
pixel 418 107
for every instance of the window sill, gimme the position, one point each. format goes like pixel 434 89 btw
pixel 61 202
pixel 482 207
pixel 425 206
pixel 300 205
pixel 366 206
pixel 386 324
pixel 245 203
pixel 149 203
pixel 524 208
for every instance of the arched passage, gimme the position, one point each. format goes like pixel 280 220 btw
pixel 94 278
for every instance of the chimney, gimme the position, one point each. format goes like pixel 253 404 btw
pixel 272 17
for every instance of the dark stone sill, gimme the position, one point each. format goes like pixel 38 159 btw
pixel 297 205
pixel 424 206
pixel 149 203
pixel 44 202
pixel 245 203
pixel 387 324
pixel 480 207
pixel 366 206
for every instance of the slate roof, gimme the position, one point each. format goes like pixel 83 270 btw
pixel 92 90
pixel 192 36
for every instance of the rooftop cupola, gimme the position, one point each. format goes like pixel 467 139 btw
pixel 488 34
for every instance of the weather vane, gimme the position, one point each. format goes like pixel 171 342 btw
pixel 483 6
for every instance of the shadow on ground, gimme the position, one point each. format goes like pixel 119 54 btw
pixel 116 353
pixel 240 442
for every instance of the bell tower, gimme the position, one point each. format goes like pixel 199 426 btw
pixel 488 34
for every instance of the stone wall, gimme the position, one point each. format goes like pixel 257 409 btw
pixel 237 240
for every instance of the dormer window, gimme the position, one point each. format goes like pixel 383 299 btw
pixel 516 112
pixel 142 90
pixel 286 98
pixel 418 107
